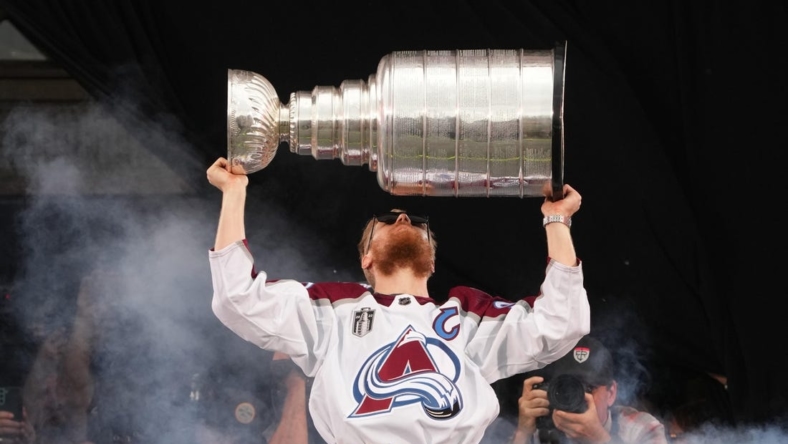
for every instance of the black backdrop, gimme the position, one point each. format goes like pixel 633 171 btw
pixel 674 118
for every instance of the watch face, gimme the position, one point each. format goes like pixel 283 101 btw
pixel 245 413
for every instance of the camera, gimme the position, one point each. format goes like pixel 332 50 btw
pixel 11 401
pixel 564 392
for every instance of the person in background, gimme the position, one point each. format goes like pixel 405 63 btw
pixel 706 405
pixel 573 400
pixel 294 425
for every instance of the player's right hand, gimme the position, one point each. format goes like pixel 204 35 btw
pixel 532 404
pixel 219 175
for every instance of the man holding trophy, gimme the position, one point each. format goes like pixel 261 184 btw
pixel 390 364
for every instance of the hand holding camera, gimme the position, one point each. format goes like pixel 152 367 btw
pixel 14 427
pixel 533 404
pixel 583 427
pixel 565 393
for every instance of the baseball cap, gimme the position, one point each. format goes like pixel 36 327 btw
pixel 589 360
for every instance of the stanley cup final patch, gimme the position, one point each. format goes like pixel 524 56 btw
pixel 581 354
pixel 362 321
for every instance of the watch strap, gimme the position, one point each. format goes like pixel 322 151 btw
pixel 566 220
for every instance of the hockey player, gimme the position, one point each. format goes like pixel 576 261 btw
pixel 390 365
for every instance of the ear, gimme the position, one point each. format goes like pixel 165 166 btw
pixel 612 394
pixel 366 261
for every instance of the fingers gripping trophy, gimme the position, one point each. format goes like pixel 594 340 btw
pixel 463 123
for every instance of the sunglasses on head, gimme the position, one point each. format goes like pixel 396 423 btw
pixel 390 217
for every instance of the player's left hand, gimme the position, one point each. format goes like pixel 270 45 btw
pixel 567 206
pixel 583 427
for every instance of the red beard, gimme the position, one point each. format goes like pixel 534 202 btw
pixel 404 248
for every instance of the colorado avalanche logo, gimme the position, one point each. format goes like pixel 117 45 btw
pixel 412 369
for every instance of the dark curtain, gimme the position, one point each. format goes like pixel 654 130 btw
pixel 674 113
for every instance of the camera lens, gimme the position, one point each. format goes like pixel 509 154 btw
pixel 567 393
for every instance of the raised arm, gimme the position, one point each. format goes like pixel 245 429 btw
pixel 231 219
pixel 274 315
pixel 559 239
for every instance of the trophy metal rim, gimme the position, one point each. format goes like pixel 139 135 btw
pixel 559 76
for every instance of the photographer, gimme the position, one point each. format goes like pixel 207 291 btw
pixel 572 401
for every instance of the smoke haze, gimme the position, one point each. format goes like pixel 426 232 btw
pixel 114 247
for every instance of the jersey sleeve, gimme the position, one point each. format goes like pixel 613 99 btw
pixel 515 337
pixel 274 315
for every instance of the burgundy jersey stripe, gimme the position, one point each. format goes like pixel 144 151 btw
pixel 388 299
pixel 335 291
pixel 480 303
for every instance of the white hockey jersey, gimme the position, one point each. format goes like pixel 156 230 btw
pixel 399 368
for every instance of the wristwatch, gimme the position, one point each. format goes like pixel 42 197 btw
pixel 557 218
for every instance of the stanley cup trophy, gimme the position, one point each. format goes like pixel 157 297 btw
pixel 463 123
